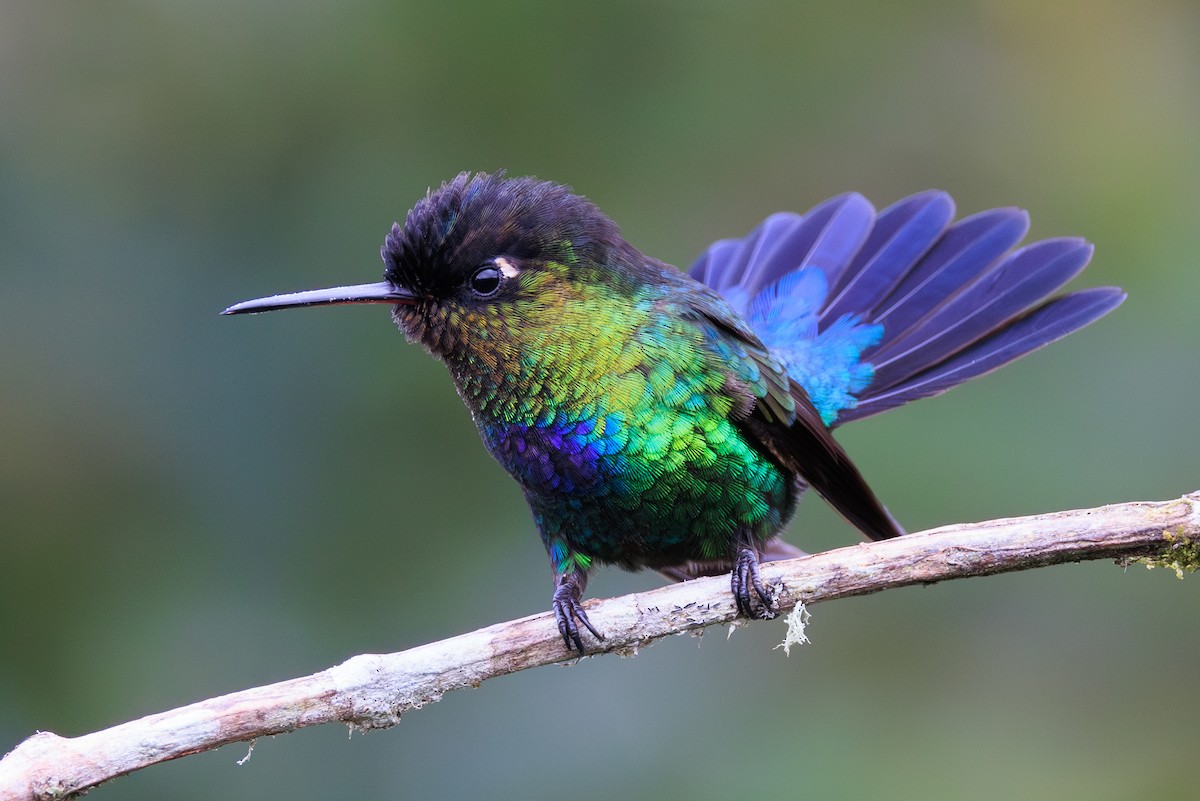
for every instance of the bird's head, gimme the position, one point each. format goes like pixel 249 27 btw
pixel 483 255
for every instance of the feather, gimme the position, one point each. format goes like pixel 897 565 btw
pixel 867 312
pixel 903 233
pixel 1037 328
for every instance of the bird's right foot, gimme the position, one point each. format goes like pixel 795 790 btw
pixel 746 578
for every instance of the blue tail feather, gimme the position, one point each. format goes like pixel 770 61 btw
pixel 979 308
pixel 1050 321
pixel 827 237
pixel 710 268
pixel 903 233
pixel 963 254
pixel 869 312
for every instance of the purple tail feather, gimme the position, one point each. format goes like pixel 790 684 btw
pixel 954 301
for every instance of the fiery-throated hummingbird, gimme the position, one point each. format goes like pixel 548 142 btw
pixel 671 420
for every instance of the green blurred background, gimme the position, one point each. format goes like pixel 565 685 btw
pixel 194 504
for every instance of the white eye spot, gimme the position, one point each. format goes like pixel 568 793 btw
pixel 506 267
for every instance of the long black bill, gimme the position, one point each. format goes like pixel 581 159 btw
pixel 382 292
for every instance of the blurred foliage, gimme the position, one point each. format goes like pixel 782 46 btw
pixel 194 504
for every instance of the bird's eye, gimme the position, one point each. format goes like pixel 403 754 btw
pixel 485 281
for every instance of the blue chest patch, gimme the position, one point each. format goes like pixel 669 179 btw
pixel 558 456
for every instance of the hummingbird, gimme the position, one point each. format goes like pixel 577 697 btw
pixel 668 420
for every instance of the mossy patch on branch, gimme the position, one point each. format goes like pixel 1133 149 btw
pixel 1182 553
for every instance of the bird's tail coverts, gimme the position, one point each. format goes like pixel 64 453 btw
pixel 871 311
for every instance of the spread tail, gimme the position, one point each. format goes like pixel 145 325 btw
pixel 871 311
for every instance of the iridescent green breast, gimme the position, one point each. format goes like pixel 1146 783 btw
pixel 618 423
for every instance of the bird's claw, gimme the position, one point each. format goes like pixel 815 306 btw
pixel 746 577
pixel 569 612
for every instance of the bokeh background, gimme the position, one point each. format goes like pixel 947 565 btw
pixel 191 504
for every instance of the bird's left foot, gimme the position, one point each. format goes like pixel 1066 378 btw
pixel 746 578
pixel 569 612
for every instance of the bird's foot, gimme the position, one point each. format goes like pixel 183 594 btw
pixel 569 612
pixel 746 578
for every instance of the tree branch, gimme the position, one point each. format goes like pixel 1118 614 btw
pixel 372 690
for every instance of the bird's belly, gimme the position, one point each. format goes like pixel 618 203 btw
pixel 647 493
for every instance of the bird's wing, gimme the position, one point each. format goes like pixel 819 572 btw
pixel 780 417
